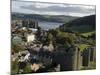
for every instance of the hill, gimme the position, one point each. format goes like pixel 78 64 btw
pixel 48 18
pixel 81 25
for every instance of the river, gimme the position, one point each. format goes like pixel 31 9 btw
pixel 49 25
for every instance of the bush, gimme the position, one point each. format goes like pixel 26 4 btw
pixel 17 47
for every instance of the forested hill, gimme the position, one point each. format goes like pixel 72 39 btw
pixel 47 18
pixel 83 24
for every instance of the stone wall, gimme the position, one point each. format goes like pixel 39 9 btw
pixel 89 55
pixel 69 60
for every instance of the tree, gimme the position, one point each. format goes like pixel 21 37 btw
pixel 17 47
pixel 50 37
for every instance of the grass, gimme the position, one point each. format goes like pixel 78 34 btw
pixel 83 46
pixel 88 33
pixel 14 67
pixel 91 66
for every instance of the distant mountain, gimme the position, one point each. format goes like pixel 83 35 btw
pixel 48 18
pixel 81 25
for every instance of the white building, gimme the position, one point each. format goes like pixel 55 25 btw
pixel 30 37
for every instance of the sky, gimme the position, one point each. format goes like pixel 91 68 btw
pixel 45 8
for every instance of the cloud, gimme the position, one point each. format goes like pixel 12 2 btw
pixel 52 8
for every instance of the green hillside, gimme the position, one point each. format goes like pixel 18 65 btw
pixel 47 18
pixel 81 25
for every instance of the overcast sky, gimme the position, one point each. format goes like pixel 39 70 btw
pixel 52 8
